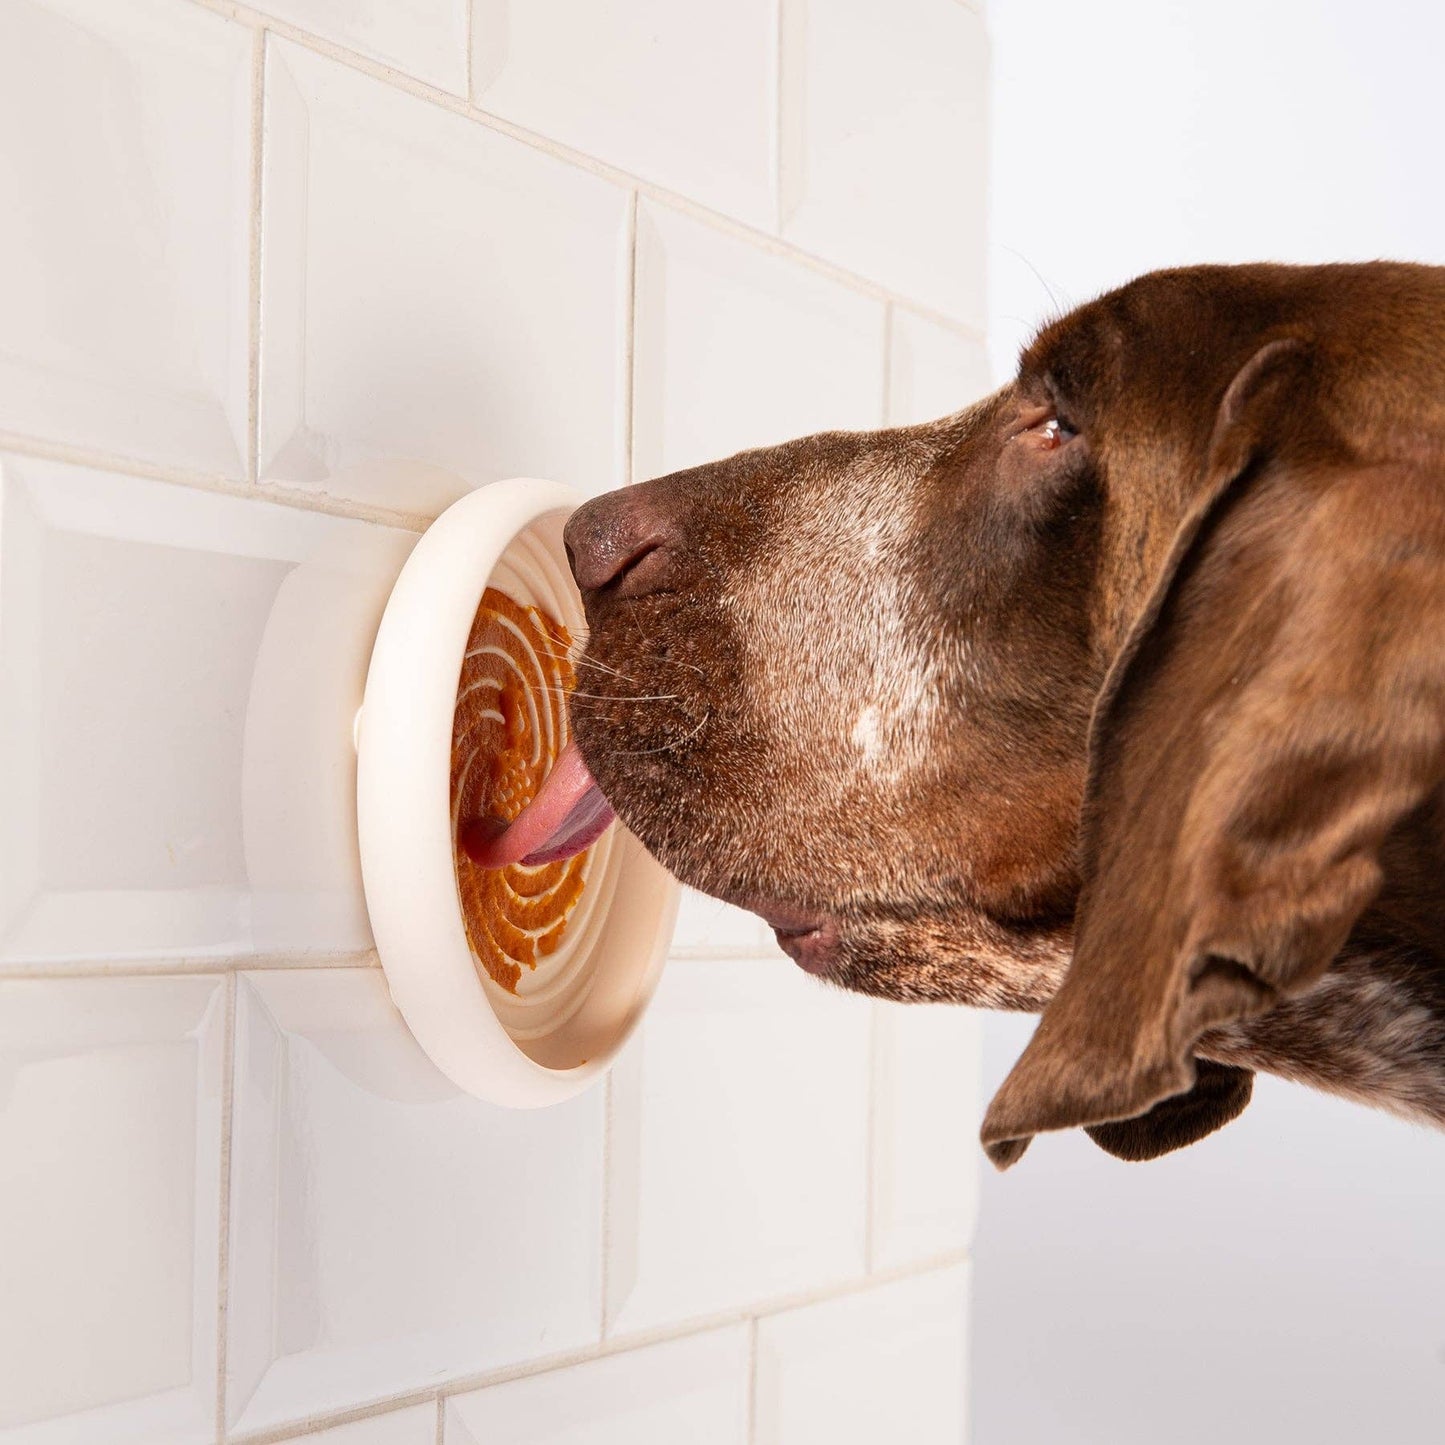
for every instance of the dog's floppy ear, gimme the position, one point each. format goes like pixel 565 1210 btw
pixel 1276 709
pixel 1220 1094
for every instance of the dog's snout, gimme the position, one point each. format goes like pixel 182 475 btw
pixel 620 540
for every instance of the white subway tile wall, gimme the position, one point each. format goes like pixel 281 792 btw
pixel 932 369
pixel 693 1389
pixel 739 1139
pixel 416 1425
pixel 926 1112
pixel 125 140
pixel 430 290
pixel 738 348
pixel 279 281
pixel 884 154
pixel 882 1364
pixel 676 91
pixel 110 1208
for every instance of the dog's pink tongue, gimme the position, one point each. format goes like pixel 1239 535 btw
pixel 568 814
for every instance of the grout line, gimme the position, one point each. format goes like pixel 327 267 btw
pixel 441 1412
pixel 253 340
pixel 468 33
pixel 766 952
pixel 779 27
pixel 887 418
pixel 22 445
pixel 186 967
pixel 223 1288
pixel 606 1232
pixel 680 1330
pixel 161 967
pixel 447 100
pixel 870 1127
pixel 300 1429
pixel 629 350
pixel 752 1381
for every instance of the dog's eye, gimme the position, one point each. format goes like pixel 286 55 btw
pixel 1054 433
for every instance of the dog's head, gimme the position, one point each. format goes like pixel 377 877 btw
pixel 945 703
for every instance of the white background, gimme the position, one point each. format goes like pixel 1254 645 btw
pixel 1284 1281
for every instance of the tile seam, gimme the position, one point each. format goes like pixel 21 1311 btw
pixel 752 1398
pixel 468 39
pixel 888 310
pixel 253 261
pixel 779 101
pixel 618 1345
pixel 605 1245
pixel 186 967
pixel 871 1133
pixel 22 444
pixel 629 348
pixel 223 1281
pixel 580 160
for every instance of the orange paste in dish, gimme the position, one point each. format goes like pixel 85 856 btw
pixel 510 724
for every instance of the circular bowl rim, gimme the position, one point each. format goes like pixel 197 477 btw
pixel 404 826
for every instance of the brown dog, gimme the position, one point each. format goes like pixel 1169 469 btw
pixel 1118 695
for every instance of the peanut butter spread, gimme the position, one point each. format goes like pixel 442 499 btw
pixel 510 724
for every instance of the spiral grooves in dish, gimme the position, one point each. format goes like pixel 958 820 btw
pixel 510 723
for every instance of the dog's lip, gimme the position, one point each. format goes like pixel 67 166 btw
pixel 808 937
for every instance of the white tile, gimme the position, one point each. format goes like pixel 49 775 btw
pixel 110 1171
pixel 693 1390
pixel 386 1231
pixel 415 1426
pixel 889 1363
pixel 738 1143
pixel 424 38
pixel 179 674
pixel 736 348
pixel 932 371
pixel 885 144
pixel 679 92
pixel 926 1100
pixel 707 928
pixel 124 160
pixel 430 290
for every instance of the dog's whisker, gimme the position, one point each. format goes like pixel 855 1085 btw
pixel 666 747
pixel 612 697
pixel 629 697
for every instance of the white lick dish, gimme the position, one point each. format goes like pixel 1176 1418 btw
pixel 562 1027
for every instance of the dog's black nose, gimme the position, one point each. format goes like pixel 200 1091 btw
pixel 620 540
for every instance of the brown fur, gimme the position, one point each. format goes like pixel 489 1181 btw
pixel 1142 726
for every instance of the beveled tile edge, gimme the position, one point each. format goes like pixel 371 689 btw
pixel 734 1339
pixel 621 1344
pixel 22 444
pixel 887 1241
pixel 252 444
pixel 752 1380
pixel 763 240
pixel 875 1131
pixel 890 320
pixel 188 967
pixel 210 1031
pixel 223 1261
pixel 627 389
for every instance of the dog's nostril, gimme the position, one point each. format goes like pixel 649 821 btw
pixel 614 540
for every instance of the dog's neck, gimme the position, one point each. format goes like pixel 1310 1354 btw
pixel 1372 1029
